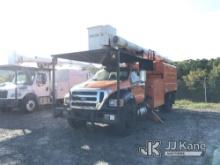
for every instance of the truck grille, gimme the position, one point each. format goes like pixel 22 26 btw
pixel 3 94
pixel 87 99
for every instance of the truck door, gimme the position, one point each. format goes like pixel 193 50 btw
pixel 137 87
pixel 42 87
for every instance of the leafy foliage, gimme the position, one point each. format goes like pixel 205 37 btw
pixel 194 75
pixel 194 78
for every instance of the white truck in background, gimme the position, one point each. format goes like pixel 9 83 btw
pixel 27 84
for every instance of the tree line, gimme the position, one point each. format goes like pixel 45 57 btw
pixel 199 80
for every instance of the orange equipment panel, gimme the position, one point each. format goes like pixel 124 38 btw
pixel 155 90
pixel 160 81
pixel 169 75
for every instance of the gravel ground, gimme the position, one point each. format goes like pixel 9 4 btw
pixel 38 138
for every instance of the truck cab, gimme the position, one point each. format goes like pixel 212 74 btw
pixel 96 99
pixel 24 87
pixel 98 93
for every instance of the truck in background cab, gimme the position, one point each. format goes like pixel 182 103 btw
pixel 28 87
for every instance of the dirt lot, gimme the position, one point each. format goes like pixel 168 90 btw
pixel 38 138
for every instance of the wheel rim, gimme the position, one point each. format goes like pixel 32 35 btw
pixel 30 106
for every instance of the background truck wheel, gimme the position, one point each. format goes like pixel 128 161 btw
pixel 128 120
pixel 76 124
pixel 29 104
pixel 168 105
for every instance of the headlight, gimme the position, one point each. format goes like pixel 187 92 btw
pixel 67 99
pixel 113 103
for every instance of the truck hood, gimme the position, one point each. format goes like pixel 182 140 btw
pixel 102 85
pixel 7 86
pixel 99 84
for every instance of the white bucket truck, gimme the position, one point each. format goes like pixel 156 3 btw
pixel 27 84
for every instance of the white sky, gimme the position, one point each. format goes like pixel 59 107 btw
pixel 177 29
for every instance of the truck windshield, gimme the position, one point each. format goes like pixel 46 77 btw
pixel 6 76
pixel 111 74
pixel 24 78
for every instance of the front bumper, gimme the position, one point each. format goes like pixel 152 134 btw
pixel 104 116
pixel 9 103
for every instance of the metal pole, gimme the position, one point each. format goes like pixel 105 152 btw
pixel 16 89
pixel 205 89
pixel 118 78
pixel 54 61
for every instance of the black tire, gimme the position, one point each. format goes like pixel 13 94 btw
pixel 128 120
pixel 76 124
pixel 168 105
pixel 29 104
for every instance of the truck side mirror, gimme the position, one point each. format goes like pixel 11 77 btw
pixel 143 74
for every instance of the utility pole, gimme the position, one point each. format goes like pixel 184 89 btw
pixel 204 85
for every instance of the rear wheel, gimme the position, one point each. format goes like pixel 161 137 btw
pixel 168 105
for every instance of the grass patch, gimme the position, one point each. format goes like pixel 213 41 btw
pixel 187 104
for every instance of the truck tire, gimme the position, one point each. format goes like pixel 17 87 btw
pixel 76 124
pixel 168 105
pixel 128 121
pixel 29 104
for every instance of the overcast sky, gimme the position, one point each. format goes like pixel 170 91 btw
pixel 177 29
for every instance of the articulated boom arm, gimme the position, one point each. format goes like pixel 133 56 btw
pixel 41 62
pixel 105 36
pixel 118 42
pixel 46 63
pixel 154 56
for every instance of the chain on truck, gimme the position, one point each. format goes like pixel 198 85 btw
pixel 26 82
pixel 133 81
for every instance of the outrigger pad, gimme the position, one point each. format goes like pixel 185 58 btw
pixel 153 115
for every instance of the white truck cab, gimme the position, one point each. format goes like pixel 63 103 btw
pixel 27 88
pixel 24 87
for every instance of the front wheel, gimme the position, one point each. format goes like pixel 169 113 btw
pixel 128 120
pixel 29 104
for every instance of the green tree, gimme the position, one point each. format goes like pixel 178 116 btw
pixel 214 83
pixel 195 84
pixel 191 74
pixel 194 79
